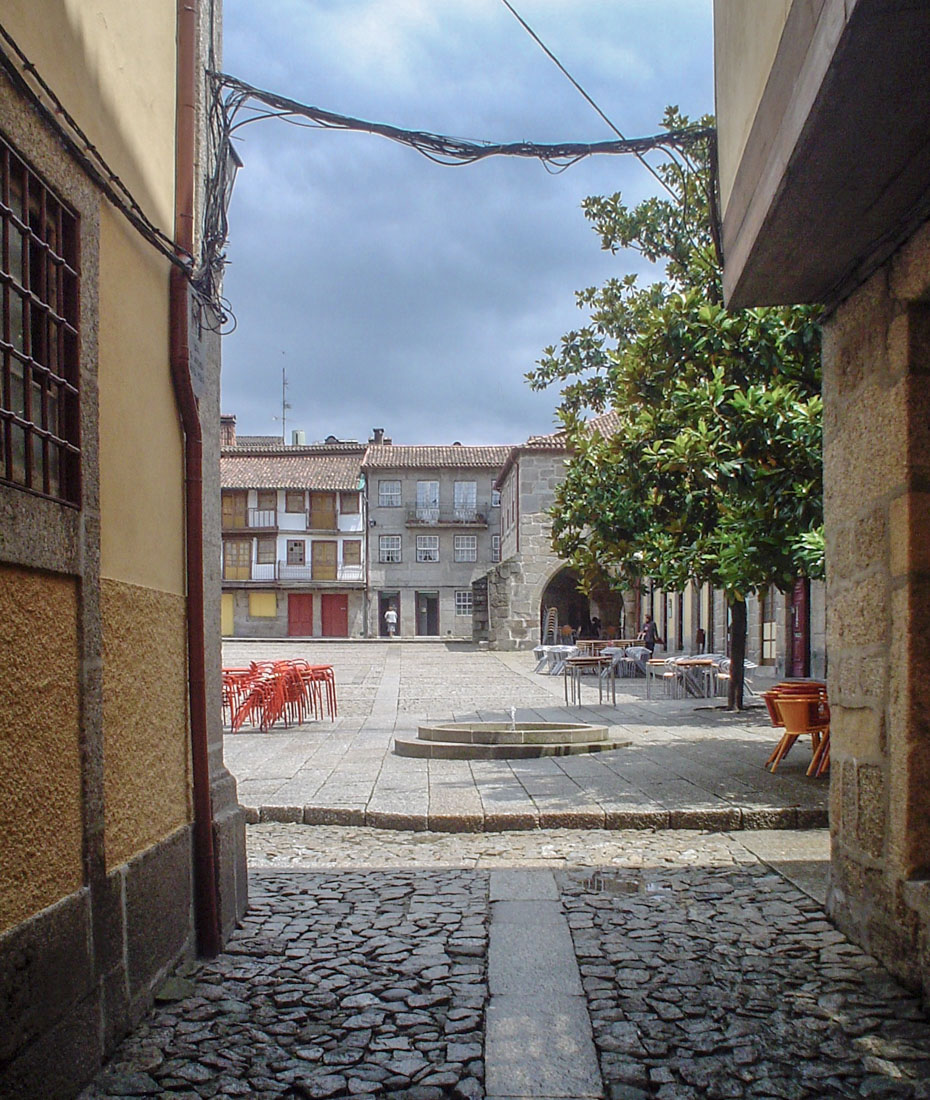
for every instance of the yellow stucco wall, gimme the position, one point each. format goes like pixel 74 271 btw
pixel 746 38
pixel 146 744
pixel 113 64
pixel 141 446
pixel 40 767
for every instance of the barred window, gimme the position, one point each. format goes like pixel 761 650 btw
pixel 389 494
pixel 389 548
pixel 463 602
pixel 39 345
pixel 466 548
pixel 427 548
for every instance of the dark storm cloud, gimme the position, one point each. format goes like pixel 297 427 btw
pixel 403 294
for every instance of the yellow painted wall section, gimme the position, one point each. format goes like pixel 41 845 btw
pixel 263 605
pixel 40 764
pixel 746 38
pixel 147 775
pixel 141 445
pixel 113 63
pixel 227 614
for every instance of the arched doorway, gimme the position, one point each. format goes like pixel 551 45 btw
pixel 574 608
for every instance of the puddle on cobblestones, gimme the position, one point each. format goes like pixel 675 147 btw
pixel 602 882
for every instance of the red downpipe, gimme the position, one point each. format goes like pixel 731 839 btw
pixel 206 904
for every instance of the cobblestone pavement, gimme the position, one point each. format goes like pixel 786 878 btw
pixel 687 765
pixel 363 970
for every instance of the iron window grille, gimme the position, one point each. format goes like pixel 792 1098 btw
pixel 39 337
pixel 427 548
pixel 389 548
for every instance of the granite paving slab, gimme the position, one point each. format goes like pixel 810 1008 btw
pixel 686 764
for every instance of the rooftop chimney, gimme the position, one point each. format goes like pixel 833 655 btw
pixel 377 436
pixel 227 431
pixel 298 438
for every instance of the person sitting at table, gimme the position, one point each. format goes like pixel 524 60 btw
pixel 649 635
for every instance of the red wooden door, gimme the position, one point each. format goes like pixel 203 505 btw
pixel 334 614
pixel 299 614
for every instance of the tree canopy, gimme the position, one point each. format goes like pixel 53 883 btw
pixel 708 466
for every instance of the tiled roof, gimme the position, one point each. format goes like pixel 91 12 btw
pixel 300 468
pixel 430 458
pixel 606 424
pixel 246 444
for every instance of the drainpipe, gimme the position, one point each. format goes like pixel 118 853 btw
pixel 206 906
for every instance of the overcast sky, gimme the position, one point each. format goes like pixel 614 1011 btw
pixel 405 295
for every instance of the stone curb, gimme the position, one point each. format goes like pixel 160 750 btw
pixel 713 820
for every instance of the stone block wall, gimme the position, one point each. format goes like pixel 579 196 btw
pixel 877 497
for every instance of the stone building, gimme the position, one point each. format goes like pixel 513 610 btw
pixel 123 844
pixel 785 631
pixel 433 528
pixel 294 544
pixel 824 176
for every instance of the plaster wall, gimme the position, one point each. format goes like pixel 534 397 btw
pixel 113 64
pixel 141 449
pixel 146 743
pixel 40 765
pixel 746 38
pixel 877 501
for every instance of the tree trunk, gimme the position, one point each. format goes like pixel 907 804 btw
pixel 737 653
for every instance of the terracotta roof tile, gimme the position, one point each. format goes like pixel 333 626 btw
pixel 429 458
pixel 300 468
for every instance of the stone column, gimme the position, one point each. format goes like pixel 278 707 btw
pixel 877 497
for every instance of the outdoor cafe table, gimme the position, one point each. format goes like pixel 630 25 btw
pixel 697 675
pixel 575 667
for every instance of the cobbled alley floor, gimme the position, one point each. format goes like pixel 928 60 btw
pixel 547 963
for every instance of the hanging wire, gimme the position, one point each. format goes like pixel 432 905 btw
pixel 234 103
pixel 542 45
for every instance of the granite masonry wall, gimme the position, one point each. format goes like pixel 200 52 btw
pixel 877 486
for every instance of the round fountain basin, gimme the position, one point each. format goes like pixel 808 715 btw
pixel 505 740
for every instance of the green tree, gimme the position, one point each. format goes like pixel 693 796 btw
pixel 708 467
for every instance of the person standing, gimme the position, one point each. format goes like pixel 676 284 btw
pixel 390 620
pixel 649 635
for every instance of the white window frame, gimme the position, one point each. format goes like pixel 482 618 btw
pixel 495 498
pixel 465 548
pixel 388 496
pixel 464 602
pixel 465 500
pixel 388 546
pixel 495 548
pixel 427 547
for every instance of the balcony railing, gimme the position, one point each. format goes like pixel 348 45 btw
pixel 271 572
pixel 262 519
pixel 428 515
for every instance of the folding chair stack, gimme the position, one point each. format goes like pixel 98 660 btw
pixel 268 692
pixel 800 707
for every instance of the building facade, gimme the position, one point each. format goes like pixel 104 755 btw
pixel 123 845
pixel 824 176
pixel 785 631
pixel 433 528
pixel 294 543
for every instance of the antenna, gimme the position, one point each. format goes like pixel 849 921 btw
pixel 285 405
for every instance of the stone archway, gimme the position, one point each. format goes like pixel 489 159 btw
pixel 561 592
